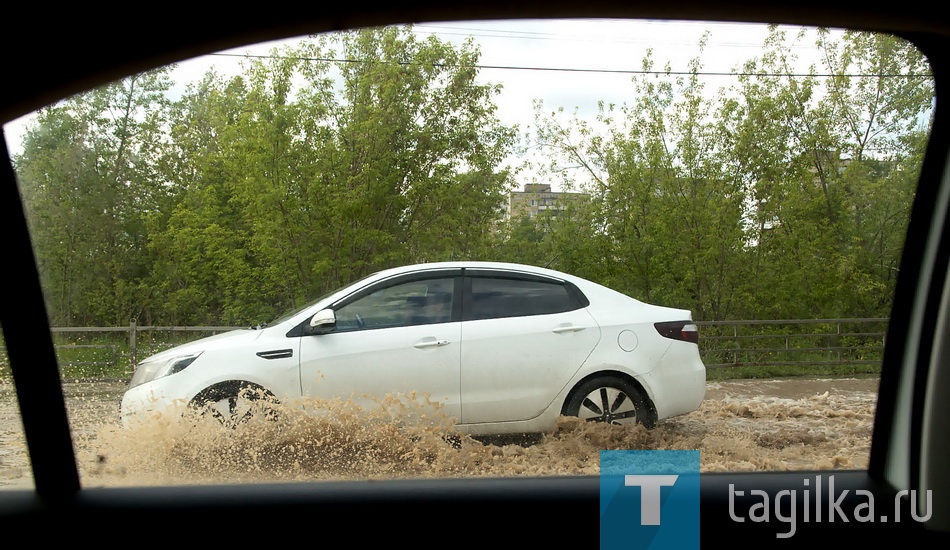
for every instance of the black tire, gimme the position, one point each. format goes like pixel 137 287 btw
pixel 610 399
pixel 234 404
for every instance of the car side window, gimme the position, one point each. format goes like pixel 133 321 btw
pixel 419 302
pixel 495 297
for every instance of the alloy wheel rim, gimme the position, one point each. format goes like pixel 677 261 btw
pixel 608 405
pixel 231 411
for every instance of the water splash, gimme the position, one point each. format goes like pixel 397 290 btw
pixel 408 436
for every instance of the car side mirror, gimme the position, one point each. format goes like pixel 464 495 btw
pixel 323 321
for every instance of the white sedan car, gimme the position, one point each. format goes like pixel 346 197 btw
pixel 502 348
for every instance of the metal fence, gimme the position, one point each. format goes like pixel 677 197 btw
pixel 793 342
pixel 92 350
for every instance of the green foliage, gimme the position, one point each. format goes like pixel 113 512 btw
pixel 786 197
pixel 783 197
pixel 89 175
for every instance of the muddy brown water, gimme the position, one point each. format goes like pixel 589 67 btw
pixel 787 424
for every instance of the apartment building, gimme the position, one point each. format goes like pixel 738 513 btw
pixel 537 199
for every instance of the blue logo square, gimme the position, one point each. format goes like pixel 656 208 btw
pixel 649 499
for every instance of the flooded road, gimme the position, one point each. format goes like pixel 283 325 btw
pixel 743 425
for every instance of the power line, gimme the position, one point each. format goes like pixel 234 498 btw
pixel 599 71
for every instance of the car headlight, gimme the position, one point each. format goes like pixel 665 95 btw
pixel 149 370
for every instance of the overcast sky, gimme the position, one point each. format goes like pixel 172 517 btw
pixel 555 61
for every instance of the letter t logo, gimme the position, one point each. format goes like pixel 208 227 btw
pixel 649 494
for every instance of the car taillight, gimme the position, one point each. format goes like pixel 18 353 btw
pixel 686 331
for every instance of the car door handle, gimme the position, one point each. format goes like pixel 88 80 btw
pixel 431 343
pixel 568 328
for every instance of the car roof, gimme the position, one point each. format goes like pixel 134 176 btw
pixel 460 264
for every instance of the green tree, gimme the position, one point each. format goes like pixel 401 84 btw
pixel 828 217
pixel 657 185
pixel 319 167
pixel 89 174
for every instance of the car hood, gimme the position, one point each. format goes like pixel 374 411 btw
pixel 224 339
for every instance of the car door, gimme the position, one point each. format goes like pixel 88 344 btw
pixel 523 339
pixel 397 339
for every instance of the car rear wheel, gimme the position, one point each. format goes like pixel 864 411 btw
pixel 234 404
pixel 612 400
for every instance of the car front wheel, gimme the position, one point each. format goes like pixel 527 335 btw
pixel 612 400
pixel 234 404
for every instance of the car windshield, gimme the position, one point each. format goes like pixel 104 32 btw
pixel 750 185
pixel 294 311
